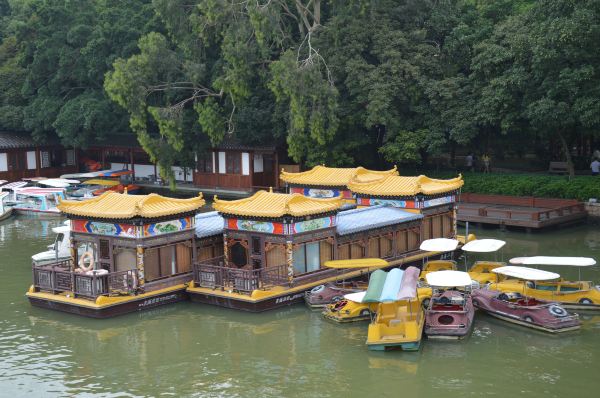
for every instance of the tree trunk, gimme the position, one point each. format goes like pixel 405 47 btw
pixel 567 152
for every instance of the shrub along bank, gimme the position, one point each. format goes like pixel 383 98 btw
pixel 541 186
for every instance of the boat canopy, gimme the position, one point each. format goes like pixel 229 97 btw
pixel 99 181
pixel 408 288
pixel 357 297
pixel 356 263
pixel 530 274
pixel 100 173
pixel 484 245
pixel 61 229
pixel 548 260
pixel 376 283
pixel 14 185
pixel 35 191
pixel 448 278
pixel 439 245
pixel 3 182
pixel 391 287
pixel 58 182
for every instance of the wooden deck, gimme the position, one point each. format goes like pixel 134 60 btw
pixel 527 212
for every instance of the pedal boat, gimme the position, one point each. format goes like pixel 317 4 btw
pixel 576 295
pixel 320 296
pixel 358 306
pixel 450 313
pixel 400 318
pixel 59 251
pixel 522 310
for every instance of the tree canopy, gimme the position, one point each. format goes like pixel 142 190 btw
pixel 340 82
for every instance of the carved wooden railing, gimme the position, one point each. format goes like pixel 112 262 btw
pixel 213 274
pixel 58 278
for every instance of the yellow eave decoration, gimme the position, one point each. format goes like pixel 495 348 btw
pixel 405 186
pixel 123 206
pixel 333 177
pixel 269 204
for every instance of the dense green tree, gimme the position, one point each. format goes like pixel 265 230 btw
pixel 54 55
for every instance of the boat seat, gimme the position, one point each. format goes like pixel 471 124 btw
pixel 528 303
pixel 395 322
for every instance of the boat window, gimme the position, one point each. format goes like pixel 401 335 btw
pixel 256 246
pixel 569 288
pixel 276 255
pixel 239 255
pixel 551 288
pixel 59 239
pixel 307 257
pixel 125 259
pixel 104 249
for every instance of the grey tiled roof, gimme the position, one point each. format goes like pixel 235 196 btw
pixel 372 217
pixel 209 224
pixel 11 140
pixel 15 140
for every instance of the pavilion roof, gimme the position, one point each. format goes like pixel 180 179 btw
pixel 270 204
pixel 123 206
pixel 332 176
pixel 394 185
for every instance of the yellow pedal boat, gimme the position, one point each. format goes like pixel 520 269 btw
pixel 400 317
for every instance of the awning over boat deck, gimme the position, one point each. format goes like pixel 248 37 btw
pixel 209 224
pixel 372 217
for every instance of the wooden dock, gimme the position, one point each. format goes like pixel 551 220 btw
pixel 519 211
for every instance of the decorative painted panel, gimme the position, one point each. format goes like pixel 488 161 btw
pixel 438 201
pixel 407 204
pixel 404 204
pixel 322 193
pixel 107 229
pixel 311 225
pixel 255 226
pixel 166 227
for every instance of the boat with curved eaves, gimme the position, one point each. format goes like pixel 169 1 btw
pixel 521 309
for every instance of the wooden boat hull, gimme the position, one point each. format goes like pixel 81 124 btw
pixel 135 304
pixel 248 305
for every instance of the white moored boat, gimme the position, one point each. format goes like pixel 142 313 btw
pixel 59 250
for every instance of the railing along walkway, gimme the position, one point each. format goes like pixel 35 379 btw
pixel 58 278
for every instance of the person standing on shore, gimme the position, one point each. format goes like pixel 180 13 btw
pixel 487 159
pixel 595 166
pixel 469 162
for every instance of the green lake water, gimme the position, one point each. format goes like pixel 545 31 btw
pixel 196 350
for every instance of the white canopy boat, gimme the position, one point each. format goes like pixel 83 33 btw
pixel 40 201
pixel 517 302
pixel 59 250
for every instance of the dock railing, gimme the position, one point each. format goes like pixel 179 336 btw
pixel 58 278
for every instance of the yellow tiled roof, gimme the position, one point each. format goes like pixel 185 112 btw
pixel 122 206
pixel 405 186
pixel 333 177
pixel 269 204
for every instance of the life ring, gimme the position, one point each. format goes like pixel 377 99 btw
pixel 557 310
pixel 317 289
pixel 82 260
